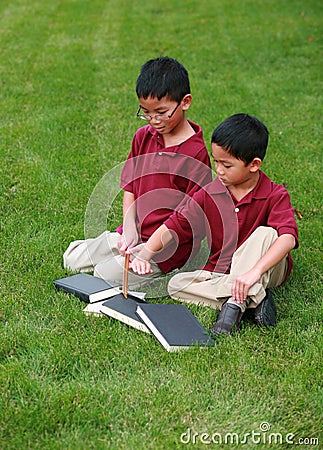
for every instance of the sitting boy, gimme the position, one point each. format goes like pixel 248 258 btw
pixel 167 162
pixel 250 227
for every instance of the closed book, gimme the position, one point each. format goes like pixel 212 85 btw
pixel 124 310
pixel 174 326
pixel 87 288
pixel 95 308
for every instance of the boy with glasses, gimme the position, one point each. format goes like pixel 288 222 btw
pixel 168 161
pixel 249 224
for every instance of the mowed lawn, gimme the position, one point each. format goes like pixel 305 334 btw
pixel 67 116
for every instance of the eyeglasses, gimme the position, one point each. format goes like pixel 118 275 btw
pixel 158 117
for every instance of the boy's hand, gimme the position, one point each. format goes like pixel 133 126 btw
pixel 140 266
pixel 278 251
pixel 127 240
pixel 243 283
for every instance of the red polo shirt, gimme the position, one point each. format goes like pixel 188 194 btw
pixel 160 179
pixel 227 223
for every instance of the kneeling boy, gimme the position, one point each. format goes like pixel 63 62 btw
pixel 249 224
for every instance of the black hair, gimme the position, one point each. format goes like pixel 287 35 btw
pixel 163 77
pixel 243 136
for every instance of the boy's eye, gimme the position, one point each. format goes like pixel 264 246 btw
pixel 226 166
pixel 158 113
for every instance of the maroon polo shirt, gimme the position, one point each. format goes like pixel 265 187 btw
pixel 227 223
pixel 160 179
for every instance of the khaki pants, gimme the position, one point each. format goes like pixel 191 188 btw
pixel 101 255
pixel 213 289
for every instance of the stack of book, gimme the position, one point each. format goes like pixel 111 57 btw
pixel 174 325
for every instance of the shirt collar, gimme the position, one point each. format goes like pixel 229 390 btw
pixel 175 148
pixel 262 189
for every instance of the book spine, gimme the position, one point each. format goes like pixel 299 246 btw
pixel 82 296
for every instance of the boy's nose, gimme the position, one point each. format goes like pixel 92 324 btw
pixel 155 119
pixel 218 170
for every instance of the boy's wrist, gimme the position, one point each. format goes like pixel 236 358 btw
pixel 145 254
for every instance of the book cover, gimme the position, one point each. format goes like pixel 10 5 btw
pixel 124 310
pixel 174 326
pixel 87 288
pixel 95 308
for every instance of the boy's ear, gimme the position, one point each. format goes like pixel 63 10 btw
pixel 255 164
pixel 186 102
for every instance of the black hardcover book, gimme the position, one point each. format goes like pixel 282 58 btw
pixel 174 326
pixel 87 288
pixel 124 309
pixel 95 308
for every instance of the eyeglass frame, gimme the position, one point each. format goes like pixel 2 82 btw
pixel 157 117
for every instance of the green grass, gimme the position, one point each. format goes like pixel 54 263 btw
pixel 67 78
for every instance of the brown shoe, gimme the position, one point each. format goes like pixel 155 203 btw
pixel 229 320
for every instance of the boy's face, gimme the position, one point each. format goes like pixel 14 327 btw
pixel 233 171
pixel 164 115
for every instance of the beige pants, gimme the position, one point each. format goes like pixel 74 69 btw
pixel 213 289
pixel 101 255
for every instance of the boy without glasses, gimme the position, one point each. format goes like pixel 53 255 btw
pixel 168 161
pixel 250 227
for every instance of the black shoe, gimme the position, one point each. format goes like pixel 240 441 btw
pixel 229 320
pixel 265 313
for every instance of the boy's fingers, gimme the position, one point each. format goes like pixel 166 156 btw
pixel 239 292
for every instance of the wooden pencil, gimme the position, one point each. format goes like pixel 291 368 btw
pixel 125 275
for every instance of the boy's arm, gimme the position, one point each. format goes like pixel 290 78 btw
pixel 130 234
pixel 157 241
pixel 276 253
